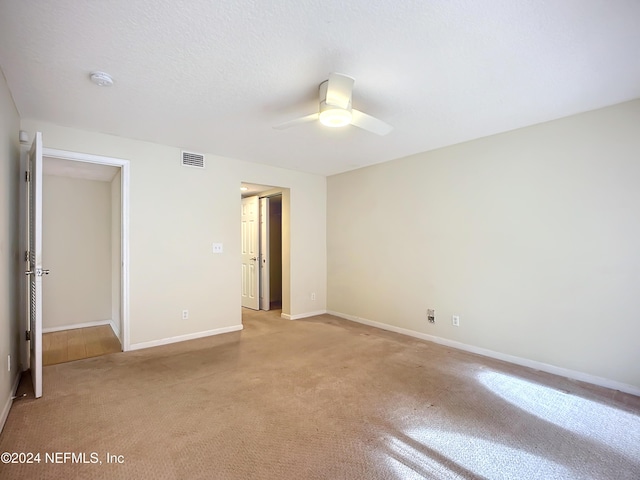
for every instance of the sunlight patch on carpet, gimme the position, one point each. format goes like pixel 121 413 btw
pixel 434 453
pixel 608 425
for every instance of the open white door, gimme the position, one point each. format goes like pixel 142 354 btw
pixel 35 271
pixel 250 232
pixel 265 295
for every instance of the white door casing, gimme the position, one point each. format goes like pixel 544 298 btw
pixel 265 294
pixel 25 353
pixel 250 256
pixel 35 271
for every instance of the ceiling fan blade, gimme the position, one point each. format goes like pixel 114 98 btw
pixel 297 121
pixel 369 123
pixel 339 90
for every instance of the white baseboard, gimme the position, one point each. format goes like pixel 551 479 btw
pixel 525 362
pixel 79 325
pixel 114 326
pixel 286 316
pixel 116 329
pixel 182 338
pixel 9 402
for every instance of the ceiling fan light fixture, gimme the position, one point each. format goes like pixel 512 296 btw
pixel 335 117
pixel 335 108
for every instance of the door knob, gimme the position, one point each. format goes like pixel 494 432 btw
pixel 253 258
pixel 39 272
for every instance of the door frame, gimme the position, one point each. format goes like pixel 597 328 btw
pixel 124 166
pixel 263 254
pixel 285 192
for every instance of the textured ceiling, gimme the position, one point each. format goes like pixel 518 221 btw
pixel 215 77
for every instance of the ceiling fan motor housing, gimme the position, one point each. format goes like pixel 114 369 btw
pixel 331 115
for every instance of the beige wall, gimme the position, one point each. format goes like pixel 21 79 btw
pixel 76 247
pixel 10 255
pixel 530 236
pixel 176 214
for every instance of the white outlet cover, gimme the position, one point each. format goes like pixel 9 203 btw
pixel 217 248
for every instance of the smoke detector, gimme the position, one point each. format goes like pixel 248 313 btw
pixel 101 79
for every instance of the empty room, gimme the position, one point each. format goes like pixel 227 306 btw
pixel 323 240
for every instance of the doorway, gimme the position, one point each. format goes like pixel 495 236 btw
pixel 265 247
pixel 81 245
pixel 31 206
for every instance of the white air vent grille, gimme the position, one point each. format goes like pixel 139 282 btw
pixel 190 159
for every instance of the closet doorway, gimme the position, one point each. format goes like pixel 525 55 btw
pixel 265 247
pixel 82 247
pixel 74 268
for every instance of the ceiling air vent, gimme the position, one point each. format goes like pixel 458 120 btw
pixel 190 159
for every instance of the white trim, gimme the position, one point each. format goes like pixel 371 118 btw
pixel 9 402
pixel 124 249
pixel 125 203
pixel 286 316
pixel 83 157
pixel 525 362
pixel 98 323
pixel 182 338
pixel 78 325
pixel 25 354
pixel 116 329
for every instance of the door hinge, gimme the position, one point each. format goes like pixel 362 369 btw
pixel 27 336
pixel 26 256
pixel 27 176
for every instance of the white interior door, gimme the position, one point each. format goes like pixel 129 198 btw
pixel 265 295
pixel 35 271
pixel 250 232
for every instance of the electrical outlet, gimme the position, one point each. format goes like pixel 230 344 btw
pixel 217 248
pixel 431 315
pixel 313 296
pixel 185 314
pixel 455 320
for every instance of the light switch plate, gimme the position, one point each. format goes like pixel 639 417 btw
pixel 217 248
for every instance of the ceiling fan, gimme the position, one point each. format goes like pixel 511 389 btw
pixel 335 108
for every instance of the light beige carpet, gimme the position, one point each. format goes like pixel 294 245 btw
pixel 320 398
